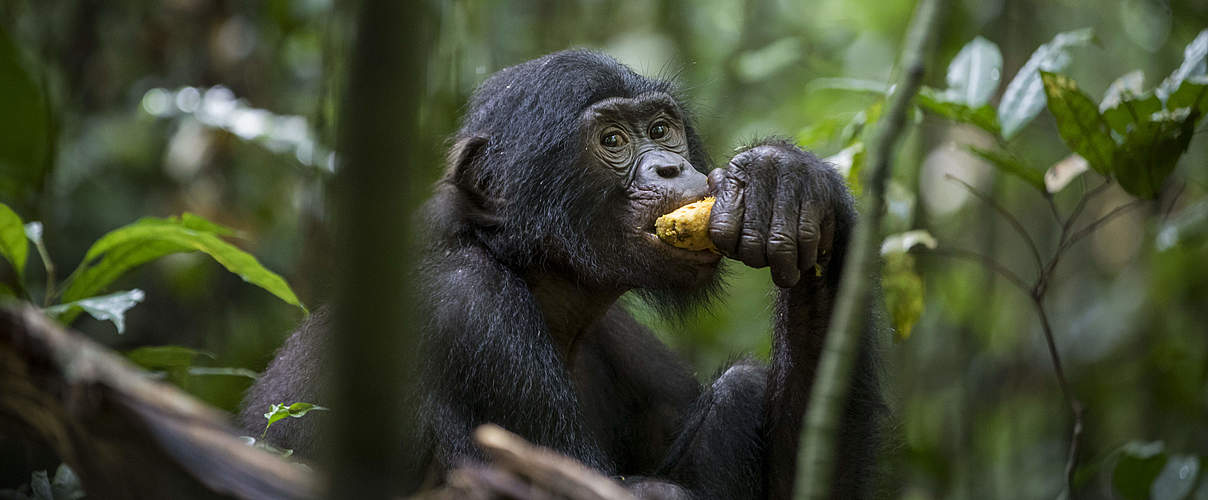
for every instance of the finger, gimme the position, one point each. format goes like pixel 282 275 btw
pixel 757 207
pixel 725 221
pixel 783 238
pixel 808 235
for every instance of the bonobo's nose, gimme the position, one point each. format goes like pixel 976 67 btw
pixel 673 172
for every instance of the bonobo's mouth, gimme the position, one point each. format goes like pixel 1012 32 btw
pixel 696 256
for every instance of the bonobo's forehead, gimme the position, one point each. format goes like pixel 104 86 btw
pixel 637 107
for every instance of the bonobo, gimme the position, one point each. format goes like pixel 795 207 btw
pixel 544 218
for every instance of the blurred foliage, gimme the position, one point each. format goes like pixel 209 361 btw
pixel 117 110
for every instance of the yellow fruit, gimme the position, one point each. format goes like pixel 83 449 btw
pixel 687 227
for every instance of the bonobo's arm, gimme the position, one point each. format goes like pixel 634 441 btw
pixel 781 207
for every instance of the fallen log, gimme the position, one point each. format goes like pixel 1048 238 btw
pixel 124 434
pixel 127 435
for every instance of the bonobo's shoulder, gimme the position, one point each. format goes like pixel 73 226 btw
pixel 452 275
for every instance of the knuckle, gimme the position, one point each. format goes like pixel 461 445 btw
pixel 751 237
pixel 779 239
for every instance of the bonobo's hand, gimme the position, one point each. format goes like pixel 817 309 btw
pixel 776 206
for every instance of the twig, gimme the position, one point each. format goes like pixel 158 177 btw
pixel 1086 197
pixel 1173 201
pixel 1090 228
pixel 984 260
pixel 1006 215
pixel 817 445
pixel 1048 198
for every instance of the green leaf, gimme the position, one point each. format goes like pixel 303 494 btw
pixel 904 291
pixel 110 307
pixel 199 223
pixel 861 123
pixel 974 74
pixel 1009 164
pixel 1193 95
pixel 1078 122
pixel 13 245
pixel 1122 89
pixel 1025 95
pixel 849 162
pixel 982 117
pixel 66 485
pixel 150 238
pixel 25 138
pixel 300 409
pixel 849 84
pixel 1135 471
pixel 165 357
pixel 819 134
pixel 1150 152
pixel 1176 479
pixel 222 371
pixel 280 411
pixel 1195 63
pixel 1131 111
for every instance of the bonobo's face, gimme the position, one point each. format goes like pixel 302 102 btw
pixel 643 141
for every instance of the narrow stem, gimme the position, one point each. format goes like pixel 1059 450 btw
pixel 986 261
pixel 1075 405
pixel 1006 215
pixel 1090 228
pixel 49 265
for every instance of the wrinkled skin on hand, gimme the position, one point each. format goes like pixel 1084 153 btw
pixel 776 206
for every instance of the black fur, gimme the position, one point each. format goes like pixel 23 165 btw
pixel 530 244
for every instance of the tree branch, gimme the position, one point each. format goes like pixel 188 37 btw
pixel 817 444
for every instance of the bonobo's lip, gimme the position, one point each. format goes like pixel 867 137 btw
pixel 696 256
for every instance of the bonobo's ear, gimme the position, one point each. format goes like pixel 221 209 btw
pixel 463 156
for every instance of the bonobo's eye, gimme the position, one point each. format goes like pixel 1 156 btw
pixel 658 130
pixel 613 138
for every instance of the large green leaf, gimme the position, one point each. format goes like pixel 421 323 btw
pixel 25 129
pixel 1025 96
pixel 1139 464
pixel 1177 478
pixel 1195 63
pixel 164 357
pixel 1150 152
pixel 1193 95
pixel 974 73
pixel 1008 163
pixel 150 238
pixel 1079 122
pixel 13 245
pixel 110 307
pixel 982 116
pixel 1130 111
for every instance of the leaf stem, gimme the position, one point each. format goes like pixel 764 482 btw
pixel 49 265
